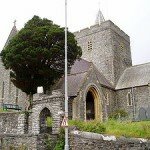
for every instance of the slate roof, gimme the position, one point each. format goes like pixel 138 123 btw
pixel 138 75
pixel 102 80
pixel 77 76
pixel 75 82
pixel 79 66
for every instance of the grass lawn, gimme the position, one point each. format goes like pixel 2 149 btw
pixel 5 111
pixel 112 127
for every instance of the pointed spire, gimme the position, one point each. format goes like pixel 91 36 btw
pixel 13 32
pixel 15 23
pixel 99 18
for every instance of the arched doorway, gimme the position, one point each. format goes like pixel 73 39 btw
pixel 45 119
pixel 93 105
pixel 90 109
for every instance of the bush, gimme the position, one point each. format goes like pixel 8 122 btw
pixel 61 140
pixel 49 121
pixel 89 126
pixel 119 114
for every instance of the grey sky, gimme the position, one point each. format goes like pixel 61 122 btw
pixel 132 16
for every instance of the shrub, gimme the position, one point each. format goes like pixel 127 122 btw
pixel 49 121
pixel 61 140
pixel 119 114
pixel 89 126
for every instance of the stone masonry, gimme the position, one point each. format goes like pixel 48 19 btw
pixel 93 141
pixel 54 104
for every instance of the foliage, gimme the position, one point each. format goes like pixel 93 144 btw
pixel 3 110
pixel 48 142
pixel 61 140
pixel 89 126
pixel 49 121
pixel 21 147
pixel 119 114
pixel 114 127
pixel 35 55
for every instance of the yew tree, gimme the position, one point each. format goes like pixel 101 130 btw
pixel 36 55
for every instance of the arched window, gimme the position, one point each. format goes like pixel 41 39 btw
pixel 129 99
pixel 17 94
pixel 3 89
pixel 107 99
pixel 45 121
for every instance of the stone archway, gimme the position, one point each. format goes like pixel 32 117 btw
pixel 44 115
pixel 93 104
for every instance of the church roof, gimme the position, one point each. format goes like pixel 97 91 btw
pixel 13 32
pixel 138 75
pixel 77 76
pixel 79 66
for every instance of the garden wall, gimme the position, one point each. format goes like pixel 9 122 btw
pixel 30 142
pixel 93 141
pixel 12 123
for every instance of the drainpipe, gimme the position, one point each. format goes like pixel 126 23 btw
pixel 133 102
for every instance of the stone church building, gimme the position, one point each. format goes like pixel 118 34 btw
pixel 99 83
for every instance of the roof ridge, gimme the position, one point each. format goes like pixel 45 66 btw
pixel 138 65
pixel 77 73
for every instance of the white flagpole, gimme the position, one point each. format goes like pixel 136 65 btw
pixel 66 82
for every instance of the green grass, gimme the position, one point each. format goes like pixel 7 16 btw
pixel 2 110
pixel 112 127
pixel 8 110
pixel 128 129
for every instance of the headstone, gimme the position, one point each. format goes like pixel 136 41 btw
pixel 142 114
pixel 148 113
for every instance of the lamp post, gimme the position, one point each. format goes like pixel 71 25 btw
pixel 66 82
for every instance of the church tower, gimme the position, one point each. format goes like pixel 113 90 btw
pixel 9 94
pixel 107 46
pixel 13 32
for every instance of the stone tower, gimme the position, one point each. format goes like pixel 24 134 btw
pixel 107 46
pixel 9 94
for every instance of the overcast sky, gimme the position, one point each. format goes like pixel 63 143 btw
pixel 132 16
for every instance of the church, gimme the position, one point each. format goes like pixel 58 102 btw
pixel 101 82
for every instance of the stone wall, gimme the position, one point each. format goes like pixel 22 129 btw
pixel 31 142
pixel 9 94
pixel 141 100
pixel 54 104
pixel 92 141
pixel 12 123
pixel 79 102
pixel 110 51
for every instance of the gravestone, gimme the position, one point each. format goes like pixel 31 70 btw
pixel 148 113
pixel 142 114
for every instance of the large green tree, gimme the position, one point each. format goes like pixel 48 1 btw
pixel 36 55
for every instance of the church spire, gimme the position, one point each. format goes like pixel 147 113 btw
pixel 13 32
pixel 99 17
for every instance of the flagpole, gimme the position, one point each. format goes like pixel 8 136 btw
pixel 66 81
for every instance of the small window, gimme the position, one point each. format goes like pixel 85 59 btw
pixel 90 46
pixel 3 88
pixel 107 99
pixel 9 86
pixel 17 94
pixel 129 99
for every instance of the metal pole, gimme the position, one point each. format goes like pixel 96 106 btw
pixel 66 82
